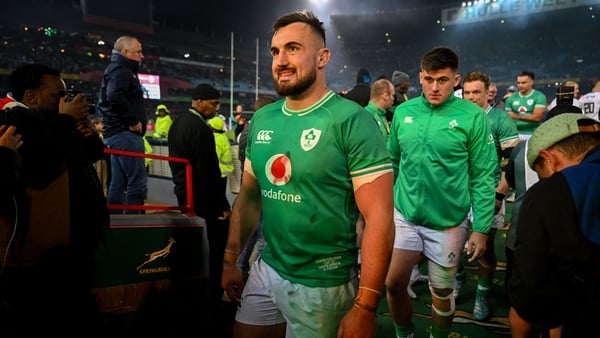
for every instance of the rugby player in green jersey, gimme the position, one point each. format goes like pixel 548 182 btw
pixel 312 167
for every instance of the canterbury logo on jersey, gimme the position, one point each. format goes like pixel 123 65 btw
pixel 264 136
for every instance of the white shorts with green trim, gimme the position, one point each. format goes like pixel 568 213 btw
pixel 268 299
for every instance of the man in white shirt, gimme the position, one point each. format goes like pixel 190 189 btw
pixel 590 102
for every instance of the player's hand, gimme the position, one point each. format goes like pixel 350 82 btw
pixel 77 107
pixel 136 128
pixel 358 323
pixel 9 138
pixel 475 246
pixel 84 127
pixel 232 282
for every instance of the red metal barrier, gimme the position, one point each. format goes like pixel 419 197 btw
pixel 187 209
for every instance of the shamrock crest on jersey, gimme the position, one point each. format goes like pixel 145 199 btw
pixel 309 138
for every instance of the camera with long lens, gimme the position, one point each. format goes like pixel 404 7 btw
pixel 87 98
pixel 565 94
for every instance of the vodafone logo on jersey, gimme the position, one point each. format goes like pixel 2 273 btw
pixel 278 169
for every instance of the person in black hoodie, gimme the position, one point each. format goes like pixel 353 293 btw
pixel 58 216
pixel 121 105
pixel 361 93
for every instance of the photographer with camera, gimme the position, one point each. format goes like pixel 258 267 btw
pixel 573 97
pixel 564 102
pixel 85 97
pixel 59 213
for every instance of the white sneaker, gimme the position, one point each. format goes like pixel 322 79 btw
pixel 510 197
pixel 458 282
pixel 415 277
pixel 411 293
pixel 456 291
pixel 481 310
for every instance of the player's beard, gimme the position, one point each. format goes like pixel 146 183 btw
pixel 295 89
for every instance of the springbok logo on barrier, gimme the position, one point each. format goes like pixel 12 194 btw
pixel 164 252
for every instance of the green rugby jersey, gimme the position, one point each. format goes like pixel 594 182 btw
pixel 305 163
pixel 522 105
pixel 443 159
pixel 505 134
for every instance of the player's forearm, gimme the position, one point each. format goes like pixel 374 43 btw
pixel 376 202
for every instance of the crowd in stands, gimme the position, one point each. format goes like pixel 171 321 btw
pixel 536 42
pixel 77 53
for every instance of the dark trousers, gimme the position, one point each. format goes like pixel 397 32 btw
pixel 54 296
pixel 217 232
pixel 220 313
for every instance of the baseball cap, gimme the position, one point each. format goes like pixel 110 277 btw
pixel 399 77
pixel 557 129
pixel 512 88
pixel 204 91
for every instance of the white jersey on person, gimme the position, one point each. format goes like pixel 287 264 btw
pixel 590 104
pixel 308 164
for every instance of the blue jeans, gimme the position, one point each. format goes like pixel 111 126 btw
pixel 128 182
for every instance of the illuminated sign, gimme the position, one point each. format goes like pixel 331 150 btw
pixel 150 85
pixel 506 8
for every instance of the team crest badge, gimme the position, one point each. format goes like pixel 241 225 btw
pixel 530 102
pixel 309 138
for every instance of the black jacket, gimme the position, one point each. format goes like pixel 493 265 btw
pixel 360 94
pixel 121 101
pixel 556 277
pixel 191 138
pixel 10 186
pixel 51 146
